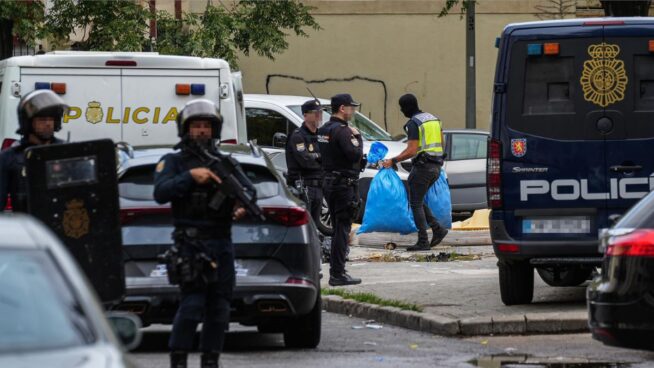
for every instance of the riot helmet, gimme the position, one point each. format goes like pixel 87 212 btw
pixel 39 103
pixel 200 109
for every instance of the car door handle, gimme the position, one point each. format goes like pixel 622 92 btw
pixel 624 168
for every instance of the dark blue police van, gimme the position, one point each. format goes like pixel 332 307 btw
pixel 571 148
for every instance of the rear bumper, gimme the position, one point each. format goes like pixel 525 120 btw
pixel 156 302
pixel 626 323
pixel 566 249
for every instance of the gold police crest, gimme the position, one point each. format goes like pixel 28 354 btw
pixel 604 79
pixel 94 113
pixel 76 219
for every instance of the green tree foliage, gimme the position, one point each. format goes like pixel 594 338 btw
pixel 22 19
pixel 124 25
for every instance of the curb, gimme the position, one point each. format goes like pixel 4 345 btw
pixel 545 323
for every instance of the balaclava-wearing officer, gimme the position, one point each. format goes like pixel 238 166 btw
pixel 181 179
pixel 39 116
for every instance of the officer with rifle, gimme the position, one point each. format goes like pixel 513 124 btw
pixel 207 191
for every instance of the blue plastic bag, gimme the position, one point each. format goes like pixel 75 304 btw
pixel 439 201
pixel 377 152
pixel 387 206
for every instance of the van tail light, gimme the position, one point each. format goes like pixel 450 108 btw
pixel 639 243
pixel 58 88
pixel 182 89
pixel 493 174
pixel 229 141
pixel 604 23
pixel 120 63
pixel 508 248
pixel 6 143
pixel 128 215
pixel 8 206
pixel 287 216
pixel 299 281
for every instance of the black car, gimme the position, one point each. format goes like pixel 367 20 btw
pixel 277 261
pixel 621 300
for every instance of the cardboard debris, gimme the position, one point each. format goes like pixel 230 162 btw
pixel 478 221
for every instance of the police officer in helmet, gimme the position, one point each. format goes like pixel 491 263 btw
pixel 425 146
pixel 202 234
pixel 341 147
pixel 303 157
pixel 39 117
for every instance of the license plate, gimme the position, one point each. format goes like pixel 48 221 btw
pixel 559 225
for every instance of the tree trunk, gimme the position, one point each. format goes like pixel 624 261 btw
pixel 630 8
pixel 6 38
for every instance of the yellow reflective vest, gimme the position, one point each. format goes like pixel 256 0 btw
pixel 429 133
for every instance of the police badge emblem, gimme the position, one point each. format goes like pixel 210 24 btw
pixel 94 112
pixel 519 147
pixel 76 219
pixel 310 147
pixel 604 79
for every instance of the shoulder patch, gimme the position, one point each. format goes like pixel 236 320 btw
pixel 160 166
pixel 355 141
pixel 300 147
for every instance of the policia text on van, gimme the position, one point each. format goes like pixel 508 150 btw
pixel 571 123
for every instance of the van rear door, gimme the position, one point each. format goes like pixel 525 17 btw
pixel 629 91
pixel 554 182
pixel 151 103
pixel 93 95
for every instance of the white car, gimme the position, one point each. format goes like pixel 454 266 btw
pixel 271 118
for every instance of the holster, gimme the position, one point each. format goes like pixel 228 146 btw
pixel 189 263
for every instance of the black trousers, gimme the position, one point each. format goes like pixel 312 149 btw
pixel 209 305
pixel 421 178
pixel 315 202
pixel 340 199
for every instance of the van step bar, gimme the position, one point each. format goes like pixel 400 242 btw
pixel 594 261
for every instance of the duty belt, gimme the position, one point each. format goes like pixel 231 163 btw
pixel 425 157
pixel 308 182
pixel 337 178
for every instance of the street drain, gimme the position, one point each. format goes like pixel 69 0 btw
pixel 525 361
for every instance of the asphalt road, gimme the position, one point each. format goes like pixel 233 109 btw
pixel 346 342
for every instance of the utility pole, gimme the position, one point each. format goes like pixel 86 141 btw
pixel 471 62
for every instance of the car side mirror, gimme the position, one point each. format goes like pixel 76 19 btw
pixel 127 328
pixel 279 140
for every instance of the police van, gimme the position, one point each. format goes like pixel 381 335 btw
pixel 130 97
pixel 571 144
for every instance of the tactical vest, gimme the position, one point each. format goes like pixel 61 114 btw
pixel 429 133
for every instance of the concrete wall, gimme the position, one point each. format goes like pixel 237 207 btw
pixel 379 50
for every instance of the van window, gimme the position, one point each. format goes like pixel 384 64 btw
pixel 644 75
pixel 468 147
pixel 547 87
pixel 262 124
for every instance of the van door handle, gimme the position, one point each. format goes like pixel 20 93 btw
pixel 623 168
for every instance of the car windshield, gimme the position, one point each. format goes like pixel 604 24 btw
pixel 39 312
pixel 369 129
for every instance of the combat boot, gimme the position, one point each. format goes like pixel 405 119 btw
pixel 178 359
pixel 209 360
pixel 438 236
pixel 418 246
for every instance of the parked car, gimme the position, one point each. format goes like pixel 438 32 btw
pixel 277 261
pixel 50 315
pixel 620 303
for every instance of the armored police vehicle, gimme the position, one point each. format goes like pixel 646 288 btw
pixel 125 96
pixel 570 139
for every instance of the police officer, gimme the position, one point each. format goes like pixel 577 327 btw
pixel 202 232
pixel 39 116
pixel 425 146
pixel 303 157
pixel 341 147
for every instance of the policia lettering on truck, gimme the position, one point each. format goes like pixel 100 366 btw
pixel 94 113
pixel 573 189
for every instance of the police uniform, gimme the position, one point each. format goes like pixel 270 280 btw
pixel 199 231
pixel 342 160
pixel 426 129
pixel 13 179
pixel 303 162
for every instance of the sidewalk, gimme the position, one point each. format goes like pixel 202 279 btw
pixel 457 297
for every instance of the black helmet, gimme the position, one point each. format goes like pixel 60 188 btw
pixel 39 103
pixel 199 110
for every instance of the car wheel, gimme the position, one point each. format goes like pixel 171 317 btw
pixel 564 276
pixel 304 331
pixel 325 226
pixel 516 282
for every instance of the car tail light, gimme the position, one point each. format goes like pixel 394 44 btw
pixel 287 216
pixel 229 141
pixel 130 214
pixel 639 243
pixel 493 173
pixel 6 143
pixel 299 281
pixel 508 248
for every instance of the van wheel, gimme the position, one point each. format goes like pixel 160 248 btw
pixel 516 282
pixel 304 331
pixel 564 276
